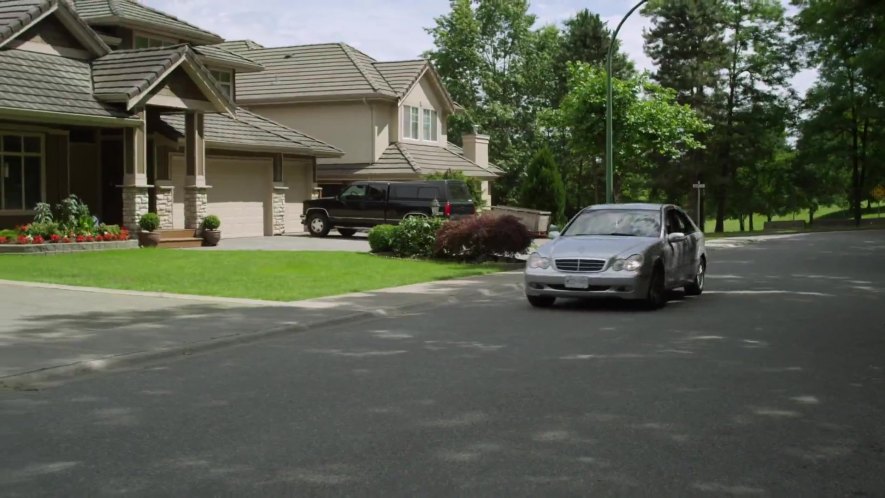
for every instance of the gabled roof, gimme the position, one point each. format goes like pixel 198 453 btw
pixel 135 15
pixel 128 76
pixel 310 72
pixel 460 151
pixel 216 55
pixel 246 130
pixel 50 85
pixel 403 159
pixel 401 75
pixel 17 16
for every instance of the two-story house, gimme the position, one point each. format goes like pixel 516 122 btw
pixel 132 110
pixel 389 118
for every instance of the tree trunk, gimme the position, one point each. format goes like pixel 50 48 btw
pixel 855 156
pixel 741 222
pixel 752 228
pixel 810 216
pixel 768 217
pixel 725 171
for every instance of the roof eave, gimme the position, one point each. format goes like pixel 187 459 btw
pixel 314 99
pixel 300 151
pixel 68 118
pixel 225 63
pixel 189 34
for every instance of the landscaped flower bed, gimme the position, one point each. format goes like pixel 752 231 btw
pixel 69 224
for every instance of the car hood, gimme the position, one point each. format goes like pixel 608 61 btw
pixel 595 246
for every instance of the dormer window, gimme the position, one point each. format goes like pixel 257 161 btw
pixel 225 80
pixel 411 126
pixel 145 41
pixel 430 126
pixel 420 124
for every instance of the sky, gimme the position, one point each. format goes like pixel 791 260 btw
pixel 385 29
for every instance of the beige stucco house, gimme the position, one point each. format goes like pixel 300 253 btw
pixel 133 110
pixel 389 118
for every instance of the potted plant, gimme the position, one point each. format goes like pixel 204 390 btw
pixel 211 233
pixel 148 236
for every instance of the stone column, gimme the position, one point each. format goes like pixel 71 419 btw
pixel 195 205
pixel 278 206
pixel 486 194
pixel 165 195
pixel 135 204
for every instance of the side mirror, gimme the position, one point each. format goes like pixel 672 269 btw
pixel 676 237
pixel 553 234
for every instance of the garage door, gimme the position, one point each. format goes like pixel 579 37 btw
pixel 240 189
pixel 298 177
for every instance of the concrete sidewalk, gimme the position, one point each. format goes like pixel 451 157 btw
pixel 53 332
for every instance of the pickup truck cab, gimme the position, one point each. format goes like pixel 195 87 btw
pixel 363 205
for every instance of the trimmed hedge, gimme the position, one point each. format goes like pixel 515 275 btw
pixel 415 237
pixel 380 238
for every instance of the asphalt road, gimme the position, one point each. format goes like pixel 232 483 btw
pixel 772 383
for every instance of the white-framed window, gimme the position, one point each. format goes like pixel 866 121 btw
pixel 225 79
pixel 411 125
pixel 430 125
pixel 148 41
pixel 21 171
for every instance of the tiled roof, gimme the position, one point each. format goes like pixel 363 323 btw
pixel 217 54
pixel 239 45
pixel 250 130
pixel 107 11
pixel 124 74
pixel 407 159
pixel 310 71
pixel 460 151
pixel 17 15
pixel 49 83
pixel 401 75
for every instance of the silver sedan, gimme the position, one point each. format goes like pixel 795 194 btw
pixel 629 251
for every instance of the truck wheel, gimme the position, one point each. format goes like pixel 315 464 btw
pixel 346 232
pixel 318 225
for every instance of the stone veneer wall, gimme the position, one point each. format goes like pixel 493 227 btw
pixel 135 204
pixel 164 195
pixel 195 206
pixel 278 204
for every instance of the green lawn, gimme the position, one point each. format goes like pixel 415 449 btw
pixel 275 276
pixel 828 212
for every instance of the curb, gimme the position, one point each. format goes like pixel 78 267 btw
pixel 35 379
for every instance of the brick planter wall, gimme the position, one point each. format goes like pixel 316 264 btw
pixel 67 248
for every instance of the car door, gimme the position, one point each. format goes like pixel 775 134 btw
pixel 351 212
pixel 675 267
pixel 691 254
pixel 375 204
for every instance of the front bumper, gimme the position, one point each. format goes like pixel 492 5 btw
pixel 609 283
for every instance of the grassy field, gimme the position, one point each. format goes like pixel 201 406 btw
pixel 829 212
pixel 275 276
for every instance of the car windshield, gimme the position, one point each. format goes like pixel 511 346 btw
pixel 616 222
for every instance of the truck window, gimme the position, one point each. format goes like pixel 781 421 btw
pixel 459 192
pixel 404 192
pixel 354 192
pixel 375 193
pixel 428 193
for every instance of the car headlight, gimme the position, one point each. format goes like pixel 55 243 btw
pixel 537 261
pixel 633 263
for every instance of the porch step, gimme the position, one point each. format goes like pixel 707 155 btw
pixel 179 242
pixel 176 233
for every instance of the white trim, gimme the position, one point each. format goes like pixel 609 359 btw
pixel 45 48
pixel 31 24
pixel 180 103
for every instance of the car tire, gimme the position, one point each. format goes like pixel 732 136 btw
pixel 696 287
pixel 318 225
pixel 346 232
pixel 656 296
pixel 541 301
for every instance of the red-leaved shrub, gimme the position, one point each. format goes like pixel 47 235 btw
pixel 482 236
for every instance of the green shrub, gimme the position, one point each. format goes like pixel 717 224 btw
pixel 111 229
pixel 211 222
pixel 542 188
pixel 45 229
pixel 42 213
pixel 415 237
pixel 380 238
pixel 482 237
pixel 149 222
pixel 73 215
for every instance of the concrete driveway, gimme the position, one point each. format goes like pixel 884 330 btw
pixel 294 242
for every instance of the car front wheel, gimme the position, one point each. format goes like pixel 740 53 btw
pixel 541 301
pixel 657 291
pixel 696 287
pixel 318 225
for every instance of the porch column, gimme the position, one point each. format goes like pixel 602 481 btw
pixel 164 191
pixel 135 187
pixel 278 197
pixel 195 190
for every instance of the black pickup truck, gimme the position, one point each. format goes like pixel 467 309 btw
pixel 366 204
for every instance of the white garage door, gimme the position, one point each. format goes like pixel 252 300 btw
pixel 298 177
pixel 240 189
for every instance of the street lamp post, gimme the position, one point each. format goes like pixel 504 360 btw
pixel 609 162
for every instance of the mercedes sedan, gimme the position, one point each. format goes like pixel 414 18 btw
pixel 629 251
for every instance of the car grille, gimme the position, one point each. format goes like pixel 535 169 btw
pixel 578 265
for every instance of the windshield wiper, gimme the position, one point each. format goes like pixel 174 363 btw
pixel 622 234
